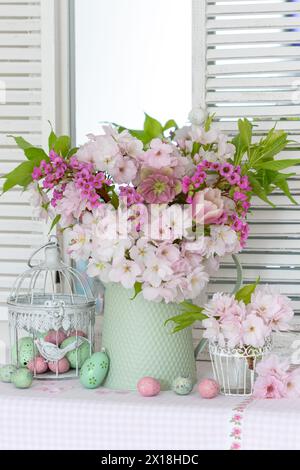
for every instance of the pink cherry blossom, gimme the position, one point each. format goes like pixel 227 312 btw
pixel 125 170
pixel 255 331
pixel 268 387
pixel 273 308
pixel 156 271
pixel 168 253
pixel 80 246
pixel 292 384
pixel 71 206
pixel 125 272
pixel 272 365
pixel 159 155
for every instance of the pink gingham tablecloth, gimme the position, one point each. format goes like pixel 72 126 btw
pixel 62 415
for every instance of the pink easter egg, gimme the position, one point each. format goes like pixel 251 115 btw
pixel 55 337
pixel 79 333
pixel 38 365
pixel 208 388
pixel 62 366
pixel 148 387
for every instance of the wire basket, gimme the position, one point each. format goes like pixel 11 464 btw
pixel 234 368
pixel 51 317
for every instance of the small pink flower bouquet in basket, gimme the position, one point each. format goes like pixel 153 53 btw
pixel 239 329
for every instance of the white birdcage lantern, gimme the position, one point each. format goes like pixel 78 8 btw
pixel 234 368
pixel 51 317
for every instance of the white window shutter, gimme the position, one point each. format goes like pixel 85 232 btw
pixel 247 64
pixel 28 99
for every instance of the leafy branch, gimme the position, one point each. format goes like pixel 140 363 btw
pixel 191 313
pixel 263 171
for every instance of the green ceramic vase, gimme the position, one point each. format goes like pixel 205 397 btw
pixel 139 344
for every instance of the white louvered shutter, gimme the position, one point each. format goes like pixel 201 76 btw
pixel 27 72
pixel 247 64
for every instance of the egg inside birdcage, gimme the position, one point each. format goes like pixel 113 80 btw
pixel 51 317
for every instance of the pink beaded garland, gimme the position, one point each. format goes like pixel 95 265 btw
pixel 38 365
pixel 62 366
pixel 55 337
pixel 148 387
pixel 208 388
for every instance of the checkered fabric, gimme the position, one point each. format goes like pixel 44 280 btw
pixel 62 415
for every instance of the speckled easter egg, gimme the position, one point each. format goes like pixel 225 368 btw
pixel 83 352
pixel 27 351
pixel 55 337
pixel 148 387
pixel 38 365
pixel 22 378
pixel 62 366
pixel 209 388
pixel 6 373
pixel 94 370
pixel 182 386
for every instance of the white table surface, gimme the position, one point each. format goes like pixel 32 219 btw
pixel 63 415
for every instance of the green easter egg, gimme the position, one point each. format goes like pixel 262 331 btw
pixel 182 386
pixel 22 378
pixel 83 352
pixel 6 373
pixel 27 351
pixel 94 370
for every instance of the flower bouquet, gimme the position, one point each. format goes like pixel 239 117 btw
pixel 152 212
pixel 239 329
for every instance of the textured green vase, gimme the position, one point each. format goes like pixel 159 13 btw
pixel 139 344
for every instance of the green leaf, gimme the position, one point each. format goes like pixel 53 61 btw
pixel 267 148
pixel 72 152
pixel 152 127
pixel 137 290
pixel 20 176
pixel 209 121
pixel 245 128
pixel 36 155
pixel 245 293
pixel 54 223
pixel 114 198
pixel 141 135
pixel 170 125
pixel 277 165
pixel 187 306
pixel 283 185
pixel 242 141
pixel 186 319
pixel 52 140
pixel 62 145
pixel 240 149
pixel 22 143
pixel 259 190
